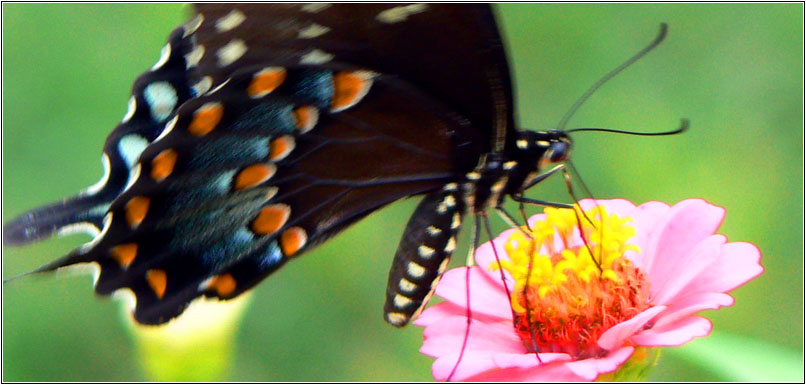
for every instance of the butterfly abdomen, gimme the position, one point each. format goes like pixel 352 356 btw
pixel 424 252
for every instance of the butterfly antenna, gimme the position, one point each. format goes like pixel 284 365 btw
pixel 684 125
pixel 612 74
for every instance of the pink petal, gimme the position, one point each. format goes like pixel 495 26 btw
pixel 528 360
pixel 676 280
pixel 674 334
pixel 619 206
pixel 437 312
pixel 593 367
pixel 548 373
pixel 614 337
pixel 472 363
pixel 486 297
pixel 691 304
pixel 448 335
pixel 687 223
pixel 737 264
pixel 490 366
pixel 645 218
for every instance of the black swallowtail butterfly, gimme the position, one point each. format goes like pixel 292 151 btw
pixel 264 130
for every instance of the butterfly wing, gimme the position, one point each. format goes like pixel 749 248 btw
pixel 452 52
pixel 156 95
pixel 270 153
pixel 258 171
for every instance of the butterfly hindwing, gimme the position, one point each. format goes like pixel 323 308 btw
pixel 246 176
pixel 156 95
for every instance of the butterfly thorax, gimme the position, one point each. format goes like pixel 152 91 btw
pixel 499 174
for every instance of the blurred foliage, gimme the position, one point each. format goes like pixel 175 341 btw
pixel 735 70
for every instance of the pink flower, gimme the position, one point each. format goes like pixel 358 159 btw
pixel 657 267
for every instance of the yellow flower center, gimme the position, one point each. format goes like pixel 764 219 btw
pixel 569 290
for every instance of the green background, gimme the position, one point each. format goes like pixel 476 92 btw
pixel 735 70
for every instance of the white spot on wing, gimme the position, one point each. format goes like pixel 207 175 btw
pixel 218 87
pixel 126 295
pixel 92 190
pixel 93 268
pixel 193 57
pixel 316 57
pixel 192 25
pixel 161 98
pixel 131 110
pixel 232 20
pixel 312 31
pixel 203 85
pixel 165 54
pixel 130 147
pixel 315 7
pixel 168 128
pixel 107 224
pixel 133 175
pixel 79 228
pixel 231 52
pixel 398 14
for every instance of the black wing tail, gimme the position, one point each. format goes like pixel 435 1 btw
pixel 77 213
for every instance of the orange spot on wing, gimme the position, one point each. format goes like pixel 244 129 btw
pixel 254 175
pixel 281 147
pixel 158 281
pixel 271 219
pixel 136 210
pixel 305 118
pixel 348 89
pixel 163 164
pixel 206 118
pixel 223 284
pixel 124 254
pixel 293 240
pixel 266 81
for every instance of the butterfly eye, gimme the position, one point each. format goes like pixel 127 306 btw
pixel 559 151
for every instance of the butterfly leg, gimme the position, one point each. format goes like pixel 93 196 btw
pixel 423 254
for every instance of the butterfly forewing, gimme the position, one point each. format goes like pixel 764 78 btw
pixel 451 52
pixel 265 129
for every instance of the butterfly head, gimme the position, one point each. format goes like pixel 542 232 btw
pixel 542 148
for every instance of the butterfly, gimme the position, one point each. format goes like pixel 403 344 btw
pixel 265 129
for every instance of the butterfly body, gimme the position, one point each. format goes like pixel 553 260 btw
pixel 263 130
